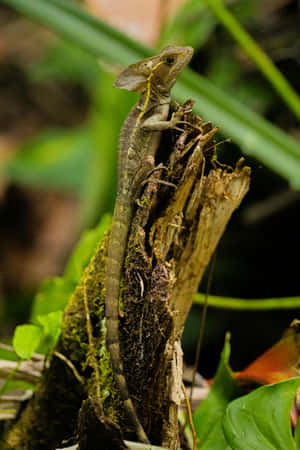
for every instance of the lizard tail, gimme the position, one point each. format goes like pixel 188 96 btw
pixel 114 348
pixel 114 263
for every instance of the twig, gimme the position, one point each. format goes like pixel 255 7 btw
pixel 202 325
pixel 70 365
pixel 188 405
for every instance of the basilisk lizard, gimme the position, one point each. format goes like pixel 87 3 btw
pixel 139 139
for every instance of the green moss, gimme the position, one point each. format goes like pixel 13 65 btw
pixel 144 202
pixel 74 345
pixel 92 284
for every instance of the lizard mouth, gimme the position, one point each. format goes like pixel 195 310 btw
pixel 189 53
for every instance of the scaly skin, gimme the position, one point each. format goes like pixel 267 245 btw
pixel 139 141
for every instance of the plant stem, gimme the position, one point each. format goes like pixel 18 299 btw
pixel 249 304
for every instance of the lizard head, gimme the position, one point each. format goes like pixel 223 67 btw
pixel 171 63
pixel 160 71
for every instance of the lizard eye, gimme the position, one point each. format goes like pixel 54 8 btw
pixel 170 60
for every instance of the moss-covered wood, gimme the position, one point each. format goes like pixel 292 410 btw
pixel 179 219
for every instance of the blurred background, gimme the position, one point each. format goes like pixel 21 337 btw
pixel 59 124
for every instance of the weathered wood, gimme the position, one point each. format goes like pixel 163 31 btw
pixel 173 236
pixel 179 219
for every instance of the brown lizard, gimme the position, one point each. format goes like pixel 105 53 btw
pixel 139 140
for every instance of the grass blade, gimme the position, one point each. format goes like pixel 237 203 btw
pixel 256 136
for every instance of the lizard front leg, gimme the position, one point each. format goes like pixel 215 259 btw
pixel 155 123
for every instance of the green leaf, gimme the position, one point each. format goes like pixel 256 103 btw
pixel 261 419
pixel 297 435
pixel 52 296
pixel 10 355
pixel 256 136
pixel 51 324
pixel 12 385
pixel 55 292
pixel 208 417
pixel 54 159
pixel 26 340
pixel 84 250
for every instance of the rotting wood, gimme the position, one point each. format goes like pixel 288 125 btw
pixel 179 220
pixel 173 236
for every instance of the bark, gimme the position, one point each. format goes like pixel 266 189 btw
pixel 178 223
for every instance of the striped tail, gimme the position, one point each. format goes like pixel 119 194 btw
pixel 115 257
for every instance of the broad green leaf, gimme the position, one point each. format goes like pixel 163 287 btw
pixel 208 417
pixel 261 419
pixel 297 435
pixel 84 250
pixel 216 439
pixel 26 340
pixel 52 296
pixel 256 136
pixel 54 292
pixel 51 324
pixel 56 159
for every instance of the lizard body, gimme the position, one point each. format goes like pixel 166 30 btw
pixel 138 143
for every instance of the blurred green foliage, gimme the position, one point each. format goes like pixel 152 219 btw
pixel 65 61
pixel 26 340
pixel 229 91
pixel 192 25
pixel 55 292
pixel 42 337
pixel 83 160
pixel 55 159
pixel 52 297
pixel 254 135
